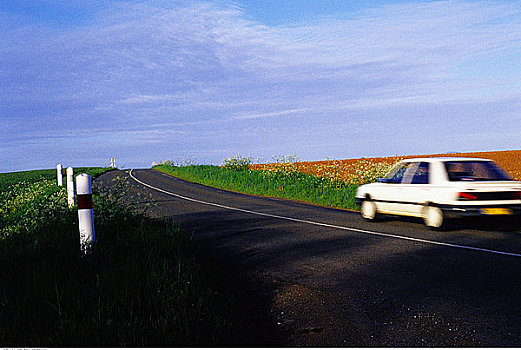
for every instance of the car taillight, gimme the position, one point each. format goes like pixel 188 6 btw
pixel 465 196
pixel 489 196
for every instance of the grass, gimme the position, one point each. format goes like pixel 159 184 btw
pixel 141 286
pixel 7 179
pixel 281 184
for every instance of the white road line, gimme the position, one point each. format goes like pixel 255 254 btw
pixel 374 233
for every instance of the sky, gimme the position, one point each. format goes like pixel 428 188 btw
pixel 143 81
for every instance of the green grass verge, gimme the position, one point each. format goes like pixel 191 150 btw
pixel 289 185
pixel 141 286
pixel 7 179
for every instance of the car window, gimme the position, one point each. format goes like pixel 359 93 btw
pixel 409 173
pixel 421 175
pixel 398 175
pixel 475 171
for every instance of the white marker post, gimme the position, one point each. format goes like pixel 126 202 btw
pixel 70 187
pixel 59 175
pixel 85 212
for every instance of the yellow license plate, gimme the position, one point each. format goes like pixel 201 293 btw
pixel 496 211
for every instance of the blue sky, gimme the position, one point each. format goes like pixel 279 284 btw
pixel 146 81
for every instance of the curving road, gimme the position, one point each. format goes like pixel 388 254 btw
pixel 335 280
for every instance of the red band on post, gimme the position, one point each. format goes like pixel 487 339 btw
pixel 84 201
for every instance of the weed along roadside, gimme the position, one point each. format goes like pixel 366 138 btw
pixel 280 180
pixel 142 285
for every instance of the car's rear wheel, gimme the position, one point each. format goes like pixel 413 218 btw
pixel 368 210
pixel 433 217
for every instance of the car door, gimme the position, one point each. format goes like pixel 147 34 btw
pixel 415 188
pixel 391 197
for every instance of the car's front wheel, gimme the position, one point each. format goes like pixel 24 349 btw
pixel 368 210
pixel 433 217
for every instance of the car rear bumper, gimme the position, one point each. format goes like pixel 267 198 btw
pixel 481 210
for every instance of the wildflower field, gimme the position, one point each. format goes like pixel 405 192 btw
pixel 142 284
pixel 363 170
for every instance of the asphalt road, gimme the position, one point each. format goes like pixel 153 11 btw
pixel 333 279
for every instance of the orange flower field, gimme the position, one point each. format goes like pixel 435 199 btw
pixel 364 170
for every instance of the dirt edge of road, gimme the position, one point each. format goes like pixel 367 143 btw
pixel 273 312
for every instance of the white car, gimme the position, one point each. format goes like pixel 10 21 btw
pixel 437 188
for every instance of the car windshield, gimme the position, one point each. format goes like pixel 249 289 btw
pixel 475 171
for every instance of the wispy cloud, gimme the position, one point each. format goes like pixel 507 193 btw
pixel 270 114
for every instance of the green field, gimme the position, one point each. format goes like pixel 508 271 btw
pixel 7 179
pixel 142 285
pixel 280 184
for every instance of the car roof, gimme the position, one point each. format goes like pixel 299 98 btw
pixel 444 159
